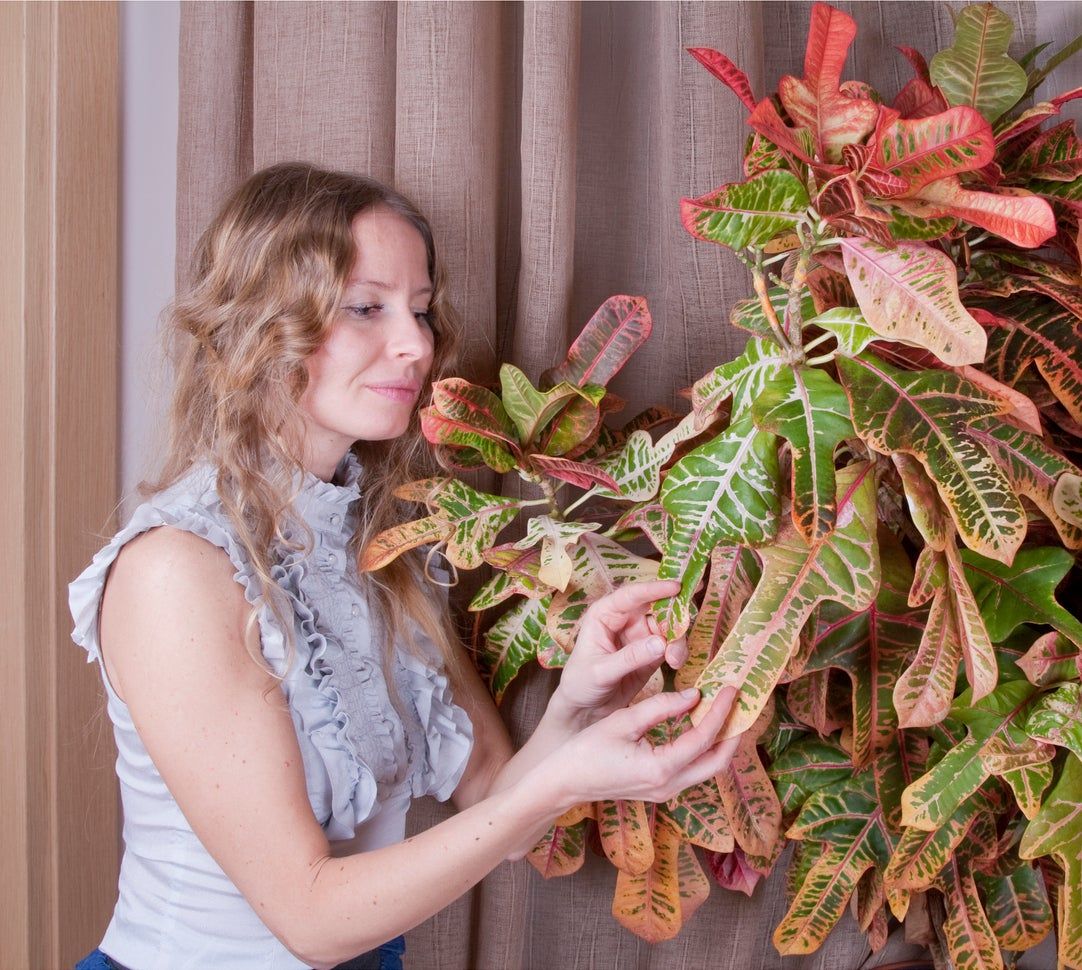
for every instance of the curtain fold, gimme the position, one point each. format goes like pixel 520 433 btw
pixel 549 143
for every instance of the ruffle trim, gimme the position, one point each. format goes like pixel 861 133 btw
pixel 315 705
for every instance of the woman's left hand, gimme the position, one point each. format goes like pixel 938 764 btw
pixel 616 651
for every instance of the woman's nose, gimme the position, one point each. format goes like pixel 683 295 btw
pixel 411 337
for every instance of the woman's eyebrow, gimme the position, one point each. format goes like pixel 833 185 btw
pixel 380 285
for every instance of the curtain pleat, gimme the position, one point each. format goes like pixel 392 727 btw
pixel 549 143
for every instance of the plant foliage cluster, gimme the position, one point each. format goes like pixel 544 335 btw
pixel 872 512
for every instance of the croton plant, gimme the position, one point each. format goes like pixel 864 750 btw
pixel 873 512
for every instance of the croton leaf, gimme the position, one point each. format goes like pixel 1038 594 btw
pixel 834 119
pixel 698 814
pixel 804 767
pixel 871 646
pixel 995 725
pixel 971 940
pixel 475 519
pixel 561 851
pixel 919 98
pixel 725 71
pixel 1055 154
pixel 393 542
pixel 1019 217
pixel 694 886
pixel 910 293
pixel 1051 658
pixel 931 519
pixel 635 470
pixel 924 414
pixel 1037 331
pixel 1057 831
pixel 843 567
pixel 581 474
pixel 750 801
pixel 1024 592
pixel 513 641
pixel 1057 718
pixel 475 407
pixel 649 518
pixel 575 429
pixel 530 409
pixel 624 827
pixel 809 409
pixel 905 226
pixel 731 871
pixel 557 539
pixel 1017 907
pixel 799 143
pixel 1035 470
pixel 618 328
pixel 748 314
pixel 976 70
pixel 746 213
pixel 457 434
pixel 920 855
pixel 925 149
pixel 846 815
pixel 517 576
pixel 848 326
pixel 724 491
pixel 734 571
pixel 649 903
pixel 742 378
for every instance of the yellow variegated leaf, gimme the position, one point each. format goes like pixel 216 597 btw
pixel 391 543
pixel 624 827
pixel 649 903
pixel 561 851
pixel 700 817
pixel 750 801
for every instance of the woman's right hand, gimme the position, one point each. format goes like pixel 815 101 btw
pixel 614 758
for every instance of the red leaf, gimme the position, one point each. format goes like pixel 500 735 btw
pixel 726 72
pixel 923 150
pixel 916 58
pixel 619 327
pixel 767 122
pixel 918 99
pixel 1022 219
pixel 1055 154
pixel 731 871
pixel 578 473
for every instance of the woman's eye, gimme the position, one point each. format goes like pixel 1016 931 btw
pixel 425 317
pixel 364 309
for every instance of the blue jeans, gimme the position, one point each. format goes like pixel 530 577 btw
pixel 387 957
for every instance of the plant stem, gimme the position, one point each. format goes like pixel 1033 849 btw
pixel 822 338
pixel 586 496
pixel 824 359
pixel 762 291
pixel 794 315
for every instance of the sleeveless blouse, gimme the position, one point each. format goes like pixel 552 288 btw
pixel 363 759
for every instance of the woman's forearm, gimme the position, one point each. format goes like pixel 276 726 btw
pixel 354 904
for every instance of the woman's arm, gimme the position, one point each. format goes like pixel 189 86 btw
pixel 215 725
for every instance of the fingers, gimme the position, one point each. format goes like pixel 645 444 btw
pixel 676 653
pixel 699 738
pixel 616 609
pixel 639 718
pixel 713 761
pixel 644 654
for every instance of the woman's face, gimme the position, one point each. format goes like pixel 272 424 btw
pixel 364 380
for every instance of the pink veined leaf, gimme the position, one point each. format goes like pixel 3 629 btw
pixel 726 72
pixel 620 326
pixel 923 150
pixel 835 118
pixel 1024 219
pixel 1055 154
pixel 577 473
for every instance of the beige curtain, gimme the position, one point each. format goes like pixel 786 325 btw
pixel 549 143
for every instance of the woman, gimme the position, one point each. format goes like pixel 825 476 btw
pixel 274 712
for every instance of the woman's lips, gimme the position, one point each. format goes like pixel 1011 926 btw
pixel 396 392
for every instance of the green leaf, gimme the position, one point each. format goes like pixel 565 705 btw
pixel 1057 718
pixel 848 326
pixel 475 519
pixel 996 742
pixel 636 467
pixel 807 408
pixel 699 816
pixel 441 430
pixel 976 70
pixel 520 578
pixel 925 413
pixel 806 766
pixel 970 939
pixel 531 409
pixel 742 378
pixel 1057 832
pixel 910 294
pixel 1069 50
pixel 1017 907
pixel 749 315
pixel 750 801
pixel 619 327
pixel 1024 592
pixel 747 213
pixel 722 492
pixel 847 815
pixel 843 567
pixel 513 641
pixel 921 855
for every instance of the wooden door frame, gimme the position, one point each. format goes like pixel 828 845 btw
pixel 59 352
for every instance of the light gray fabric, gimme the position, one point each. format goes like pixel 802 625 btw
pixel 363 758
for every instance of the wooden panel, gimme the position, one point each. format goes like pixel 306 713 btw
pixel 60 104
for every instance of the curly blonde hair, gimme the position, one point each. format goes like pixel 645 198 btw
pixel 268 278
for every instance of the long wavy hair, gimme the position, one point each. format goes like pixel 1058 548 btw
pixel 269 275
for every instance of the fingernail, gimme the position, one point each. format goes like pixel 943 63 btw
pixel 655 645
pixel 690 692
